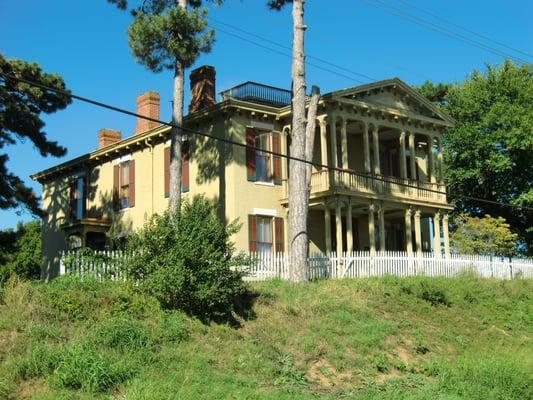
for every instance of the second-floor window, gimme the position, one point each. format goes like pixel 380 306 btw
pixel 77 198
pixel 124 184
pixel 124 190
pixel 261 164
pixel 262 159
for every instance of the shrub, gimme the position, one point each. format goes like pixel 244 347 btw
pixel 185 260
pixel 20 251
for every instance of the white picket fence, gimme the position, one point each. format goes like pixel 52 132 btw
pixel 359 264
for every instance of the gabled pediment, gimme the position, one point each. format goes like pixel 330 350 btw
pixel 393 94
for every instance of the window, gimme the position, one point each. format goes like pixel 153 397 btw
pixel 265 233
pixel 124 190
pixel 77 198
pixel 262 159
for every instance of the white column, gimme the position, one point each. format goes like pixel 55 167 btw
pixel 418 232
pixel 446 235
pixel 436 234
pixel 327 228
pixel 371 228
pixel 403 161
pixel 408 235
pixel 349 227
pixel 381 216
pixel 323 141
pixel 366 147
pixel 344 144
pixel 431 160
pixel 375 138
pixel 441 160
pixel 413 155
pixel 338 223
pixel 333 134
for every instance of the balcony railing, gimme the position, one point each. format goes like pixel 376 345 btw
pixel 347 181
pixel 259 93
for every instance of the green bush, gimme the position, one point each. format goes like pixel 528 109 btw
pixel 20 252
pixel 185 260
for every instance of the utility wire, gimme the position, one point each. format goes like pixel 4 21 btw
pixel 464 28
pixel 419 21
pixel 239 144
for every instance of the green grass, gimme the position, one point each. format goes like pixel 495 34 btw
pixel 390 338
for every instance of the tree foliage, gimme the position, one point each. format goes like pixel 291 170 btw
pixel 185 261
pixel 20 251
pixel 21 106
pixel 485 236
pixel 488 152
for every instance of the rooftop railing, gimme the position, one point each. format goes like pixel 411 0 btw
pixel 259 93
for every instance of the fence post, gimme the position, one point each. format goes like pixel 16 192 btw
pixel 511 268
pixel 61 263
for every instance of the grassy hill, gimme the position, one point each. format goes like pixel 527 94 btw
pixel 390 338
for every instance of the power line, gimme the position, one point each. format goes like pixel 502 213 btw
pixel 464 28
pixel 419 21
pixel 239 144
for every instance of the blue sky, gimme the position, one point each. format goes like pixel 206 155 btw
pixel 86 43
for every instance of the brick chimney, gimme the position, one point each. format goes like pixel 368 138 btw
pixel 147 105
pixel 202 88
pixel 107 137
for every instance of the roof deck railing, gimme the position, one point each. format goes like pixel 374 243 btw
pixel 258 93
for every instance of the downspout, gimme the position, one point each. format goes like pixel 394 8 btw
pixel 147 142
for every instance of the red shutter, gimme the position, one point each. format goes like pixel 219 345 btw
pixel 278 222
pixel 185 167
pixel 72 198
pixel 252 232
pixel 276 148
pixel 166 169
pixel 250 154
pixel 116 186
pixel 132 184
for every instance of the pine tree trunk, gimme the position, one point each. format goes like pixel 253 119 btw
pixel 176 133
pixel 310 134
pixel 298 194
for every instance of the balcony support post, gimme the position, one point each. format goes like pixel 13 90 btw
pixel 371 228
pixel 431 160
pixel 412 152
pixel 366 147
pixel 323 140
pixel 327 226
pixel 446 235
pixel 333 134
pixel 344 144
pixel 338 225
pixel 349 227
pixel 436 234
pixel 441 161
pixel 375 137
pixel 408 235
pixel 418 232
pixel 381 216
pixel 403 161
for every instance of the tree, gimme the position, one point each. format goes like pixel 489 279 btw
pixel 20 251
pixel 486 236
pixel 165 34
pixel 488 152
pixel 302 140
pixel 20 107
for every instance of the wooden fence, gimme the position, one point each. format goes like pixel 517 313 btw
pixel 359 264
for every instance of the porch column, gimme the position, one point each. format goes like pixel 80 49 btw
pixel 371 228
pixel 436 234
pixel 413 155
pixel 431 160
pixel 327 228
pixel 446 235
pixel 418 232
pixel 323 140
pixel 441 161
pixel 381 216
pixel 344 144
pixel 333 134
pixel 349 227
pixel 408 236
pixel 338 225
pixel 366 147
pixel 375 138
pixel 403 161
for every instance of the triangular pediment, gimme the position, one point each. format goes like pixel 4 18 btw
pixel 393 94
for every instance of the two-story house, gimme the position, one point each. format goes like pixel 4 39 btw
pixel 385 139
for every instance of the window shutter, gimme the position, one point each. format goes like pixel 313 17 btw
pixel 72 198
pixel 185 167
pixel 131 200
pixel 276 148
pixel 116 186
pixel 278 222
pixel 86 180
pixel 252 232
pixel 166 169
pixel 250 154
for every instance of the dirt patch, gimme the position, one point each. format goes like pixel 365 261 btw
pixel 322 373
pixel 29 389
pixel 392 374
pixel 499 330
